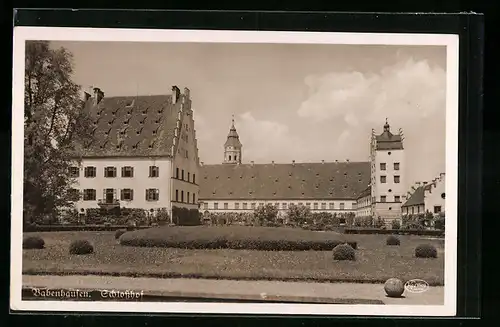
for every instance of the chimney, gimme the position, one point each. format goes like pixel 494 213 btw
pixel 441 176
pixel 272 162
pixel 201 163
pixel 98 95
pixel 336 161
pixel 251 162
pixel 322 161
pixel 187 93
pixel 293 162
pixel 86 96
pixel 347 160
pixel 175 94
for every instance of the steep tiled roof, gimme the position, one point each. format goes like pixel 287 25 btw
pixel 417 198
pixel 366 192
pixel 132 126
pixel 389 141
pixel 343 180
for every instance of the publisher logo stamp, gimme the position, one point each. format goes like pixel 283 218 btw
pixel 416 286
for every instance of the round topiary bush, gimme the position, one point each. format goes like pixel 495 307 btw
pixel 344 252
pixel 81 247
pixel 393 240
pixel 33 242
pixel 394 287
pixel 426 251
pixel 119 233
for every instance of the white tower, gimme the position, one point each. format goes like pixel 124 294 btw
pixel 387 174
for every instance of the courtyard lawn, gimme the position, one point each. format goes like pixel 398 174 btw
pixel 375 261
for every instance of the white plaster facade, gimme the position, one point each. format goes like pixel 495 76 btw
pixel 435 197
pixel 138 183
pixel 226 205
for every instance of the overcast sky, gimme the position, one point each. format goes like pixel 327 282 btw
pixel 291 102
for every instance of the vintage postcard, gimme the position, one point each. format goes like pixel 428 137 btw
pixel 184 171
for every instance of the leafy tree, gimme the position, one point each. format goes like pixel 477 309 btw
pixel 265 214
pixel 53 119
pixel 299 214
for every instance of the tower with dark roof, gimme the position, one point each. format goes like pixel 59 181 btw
pixel 388 187
pixel 232 147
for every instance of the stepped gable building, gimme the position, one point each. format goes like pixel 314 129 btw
pixel 143 153
pixel 426 197
pixel 364 188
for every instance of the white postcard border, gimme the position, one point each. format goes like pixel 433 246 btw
pixel 21 34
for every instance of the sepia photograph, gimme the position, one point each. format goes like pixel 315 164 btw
pixel 178 171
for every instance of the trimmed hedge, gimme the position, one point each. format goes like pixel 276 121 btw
pixel 344 252
pixel 33 242
pixel 119 233
pixel 80 247
pixel 420 232
pixel 393 240
pixel 426 251
pixel 186 217
pixel 77 228
pixel 233 237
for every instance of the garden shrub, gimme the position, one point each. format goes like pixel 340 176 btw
pixel 392 240
pixel 119 233
pixel 439 223
pixel 396 224
pixel 299 214
pixel 344 252
pixel 265 214
pixel 80 247
pixel 33 242
pixel 379 223
pixel 426 251
pixel 162 217
pixel 413 225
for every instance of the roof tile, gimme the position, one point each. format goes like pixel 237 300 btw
pixel 284 181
